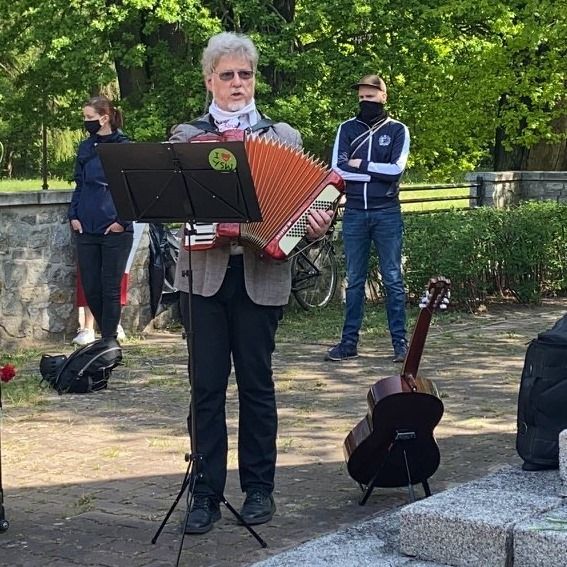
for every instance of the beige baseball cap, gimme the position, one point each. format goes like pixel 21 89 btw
pixel 370 81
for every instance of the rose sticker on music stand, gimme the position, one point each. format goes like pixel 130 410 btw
pixel 222 160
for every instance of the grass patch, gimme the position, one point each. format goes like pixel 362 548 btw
pixel 24 389
pixel 86 503
pixel 325 324
pixel 435 205
pixel 110 453
pixel 19 185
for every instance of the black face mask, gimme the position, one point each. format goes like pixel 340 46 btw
pixel 92 126
pixel 370 111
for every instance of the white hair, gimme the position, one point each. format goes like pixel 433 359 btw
pixel 228 43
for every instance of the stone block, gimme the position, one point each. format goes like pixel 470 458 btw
pixel 563 461
pixel 542 541
pixel 27 253
pixel 473 524
pixel 371 543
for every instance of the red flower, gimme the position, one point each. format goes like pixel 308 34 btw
pixel 7 372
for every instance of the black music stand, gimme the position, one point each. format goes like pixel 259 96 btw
pixel 189 183
pixel 198 182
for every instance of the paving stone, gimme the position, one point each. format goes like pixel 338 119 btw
pixel 542 541
pixel 473 524
pixel 101 471
pixel 371 543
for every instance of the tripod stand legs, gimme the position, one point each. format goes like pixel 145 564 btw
pixel 372 484
pixel 195 471
pixel 184 484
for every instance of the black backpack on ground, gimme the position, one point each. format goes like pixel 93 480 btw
pixel 542 401
pixel 85 370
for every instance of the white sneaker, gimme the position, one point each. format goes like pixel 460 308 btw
pixel 120 334
pixel 84 337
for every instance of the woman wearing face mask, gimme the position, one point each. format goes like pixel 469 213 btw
pixel 370 153
pixel 103 240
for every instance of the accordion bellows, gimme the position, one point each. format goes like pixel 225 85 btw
pixel 288 184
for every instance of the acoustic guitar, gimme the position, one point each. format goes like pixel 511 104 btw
pixel 394 444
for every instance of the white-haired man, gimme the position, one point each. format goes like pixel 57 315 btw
pixel 237 302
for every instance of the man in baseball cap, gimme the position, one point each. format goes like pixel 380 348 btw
pixel 370 153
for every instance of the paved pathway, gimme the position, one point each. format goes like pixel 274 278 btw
pixel 87 479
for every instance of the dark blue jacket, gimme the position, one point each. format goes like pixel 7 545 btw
pixel 92 202
pixel 384 151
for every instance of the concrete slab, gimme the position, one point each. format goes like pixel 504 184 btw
pixel 371 543
pixel 563 461
pixel 542 541
pixel 472 524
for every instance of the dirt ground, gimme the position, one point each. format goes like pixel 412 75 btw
pixel 88 479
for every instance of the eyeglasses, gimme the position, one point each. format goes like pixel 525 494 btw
pixel 244 74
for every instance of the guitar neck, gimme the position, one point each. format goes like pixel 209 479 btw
pixel 417 343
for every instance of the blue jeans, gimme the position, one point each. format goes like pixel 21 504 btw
pixel 384 227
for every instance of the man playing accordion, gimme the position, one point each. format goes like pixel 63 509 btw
pixel 236 303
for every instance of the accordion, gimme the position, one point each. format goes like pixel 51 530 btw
pixel 288 184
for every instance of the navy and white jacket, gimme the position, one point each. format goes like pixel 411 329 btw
pixel 384 151
pixel 92 202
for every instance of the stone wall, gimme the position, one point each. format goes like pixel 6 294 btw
pixel 504 188
pixel 38 265
pixel 38 270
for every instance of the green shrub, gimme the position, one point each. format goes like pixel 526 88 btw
pixel 486 251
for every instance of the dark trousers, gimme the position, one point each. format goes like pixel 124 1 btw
pixel 226 324
pixel 102 261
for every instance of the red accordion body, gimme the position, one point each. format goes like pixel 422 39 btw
pixel 288 184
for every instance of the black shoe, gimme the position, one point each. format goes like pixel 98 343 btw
pixel 400 352
pixel 258 508
pixel 205 511
pixel 342 351
pixel 527 466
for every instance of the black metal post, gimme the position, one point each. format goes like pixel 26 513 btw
pixel 44 186
pixel 480 191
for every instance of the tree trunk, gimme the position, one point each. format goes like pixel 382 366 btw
pixel 132 81
pixel 543 156
pixel 549 157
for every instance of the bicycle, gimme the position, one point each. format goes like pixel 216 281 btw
pixel 315 272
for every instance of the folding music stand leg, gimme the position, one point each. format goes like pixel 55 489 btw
pixel 4 524
pixel 184 484
pixel 172 182
pixel 197 466
pixel 426 488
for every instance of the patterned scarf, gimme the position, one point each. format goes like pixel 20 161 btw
pixel 238 119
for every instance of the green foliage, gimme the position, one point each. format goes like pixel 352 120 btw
pixel 518 252
pixel 454 244
pixel 532 251
pixel 458 71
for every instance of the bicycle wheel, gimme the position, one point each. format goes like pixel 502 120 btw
pixel 314 275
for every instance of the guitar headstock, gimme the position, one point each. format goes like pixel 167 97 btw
pixel 437 294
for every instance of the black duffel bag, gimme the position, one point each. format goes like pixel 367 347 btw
pixel 542 401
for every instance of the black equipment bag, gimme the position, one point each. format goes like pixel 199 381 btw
pixel 85 370
pixel 542 401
